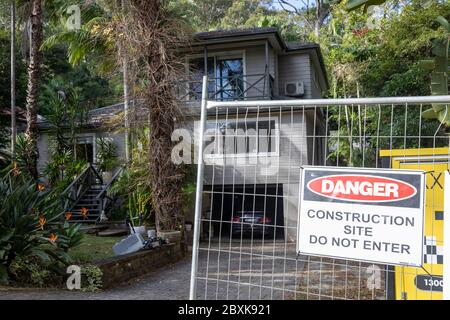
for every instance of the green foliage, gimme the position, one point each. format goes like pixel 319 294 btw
pixel 107 158
pixel 30 271
pixel 5 67
pixel 91 278
pixel 28 216
pixel 22 159
pixel 355 4
pixel 134 187
pixel 440 76
pixel 134 183
pixel 69 236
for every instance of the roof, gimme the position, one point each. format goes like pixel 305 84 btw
pixel 216 34
pixel 270 33
pixel 94 119
pixel 20 113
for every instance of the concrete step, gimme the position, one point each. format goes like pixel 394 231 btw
pixel 113 233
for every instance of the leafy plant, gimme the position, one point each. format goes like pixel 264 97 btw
pixel 29 218
pixel 134 186
pixel 107 158
pixel 131 187
pixel 30 271
pixel 69 235
pixel 23 146
pixel 91 278
pixel 63 168
pixel 440 67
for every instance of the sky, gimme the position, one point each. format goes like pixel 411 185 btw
pixel 297 3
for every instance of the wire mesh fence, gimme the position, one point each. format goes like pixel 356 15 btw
pixel 253 153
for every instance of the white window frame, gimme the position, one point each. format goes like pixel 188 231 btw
pixel 275 153
pixel 234 54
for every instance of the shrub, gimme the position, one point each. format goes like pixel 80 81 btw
pixel 30 271
pixel 30 224
pixel 91 278
pixel 106 154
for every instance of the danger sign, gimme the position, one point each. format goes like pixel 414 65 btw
pixel 362 214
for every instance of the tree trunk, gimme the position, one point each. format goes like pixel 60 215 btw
pixel 155 56
pixel 33 83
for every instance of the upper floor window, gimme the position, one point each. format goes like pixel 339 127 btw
pixel 226 77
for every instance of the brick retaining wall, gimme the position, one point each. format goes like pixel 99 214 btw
pixel 123 268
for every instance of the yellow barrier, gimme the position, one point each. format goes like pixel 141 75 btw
pixel 424 283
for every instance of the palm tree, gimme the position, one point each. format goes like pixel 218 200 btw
pixel 97 37
pixel 31 132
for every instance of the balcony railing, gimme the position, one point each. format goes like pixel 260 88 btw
pixel 237 87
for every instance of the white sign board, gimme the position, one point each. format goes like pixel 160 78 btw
pixel 362 214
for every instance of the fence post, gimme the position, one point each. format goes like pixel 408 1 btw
pixel 199 190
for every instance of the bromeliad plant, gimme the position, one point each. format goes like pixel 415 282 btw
pixel 30 224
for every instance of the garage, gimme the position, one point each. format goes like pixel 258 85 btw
pixel 228 202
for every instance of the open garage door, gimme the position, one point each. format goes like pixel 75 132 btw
pixel 246 210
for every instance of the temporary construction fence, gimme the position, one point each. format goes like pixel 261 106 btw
pixel 251 155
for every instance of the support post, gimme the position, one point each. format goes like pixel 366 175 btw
pixel 205 60
pixel 13 80
pixel 267 80
pixel 199 191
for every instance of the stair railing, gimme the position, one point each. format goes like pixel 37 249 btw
pixel 80 185
pixel 103 198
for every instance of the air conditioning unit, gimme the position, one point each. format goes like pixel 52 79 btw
pixel 294 89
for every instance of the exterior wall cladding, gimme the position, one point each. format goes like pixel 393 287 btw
pixel 295 130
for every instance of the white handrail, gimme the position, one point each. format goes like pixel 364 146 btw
pixel 332 102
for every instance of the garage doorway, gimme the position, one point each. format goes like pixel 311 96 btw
pixel 228 202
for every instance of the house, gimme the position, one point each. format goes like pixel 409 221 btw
pixel 96 124
pixel 249 64
pixel 256 64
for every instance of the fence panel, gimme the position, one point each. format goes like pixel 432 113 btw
pixel 248 195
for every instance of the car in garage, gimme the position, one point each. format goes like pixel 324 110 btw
pixel 248 223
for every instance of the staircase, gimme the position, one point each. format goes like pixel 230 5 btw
pixel 86 198
pixel 88 208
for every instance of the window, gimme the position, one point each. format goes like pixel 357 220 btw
pixel 242 138
pixel 226 77
pixel 197 71
pixel 229 79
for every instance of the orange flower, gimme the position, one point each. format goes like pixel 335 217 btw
pixel 42 222
pixel 15 170
pixel 53 238
pixel 41 187
pixel 68 215
pixel 84 212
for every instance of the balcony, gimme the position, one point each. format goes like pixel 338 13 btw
pixel 233 88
